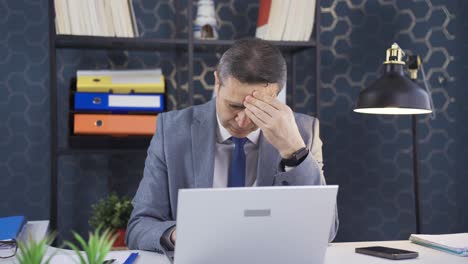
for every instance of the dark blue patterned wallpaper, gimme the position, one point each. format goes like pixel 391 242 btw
pixel 373 154
pixel 24 109
pixel 370 157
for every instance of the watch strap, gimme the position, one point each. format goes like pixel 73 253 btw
pixel 296 158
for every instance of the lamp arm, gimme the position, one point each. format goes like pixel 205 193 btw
pixel 415 64
pixel 426 86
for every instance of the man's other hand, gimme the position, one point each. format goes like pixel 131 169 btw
pixel 277 122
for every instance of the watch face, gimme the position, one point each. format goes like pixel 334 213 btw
pixel 296 158
pixel 300 153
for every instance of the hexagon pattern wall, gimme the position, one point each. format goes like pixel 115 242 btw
pixel 370 157
pixel 461 170
pixel 24 109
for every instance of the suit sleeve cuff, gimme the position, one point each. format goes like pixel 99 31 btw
pixel 306 173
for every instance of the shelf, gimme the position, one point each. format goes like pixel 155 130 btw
pixel 71 151
pixel 294 46
pixel 90 142
pixel 95 42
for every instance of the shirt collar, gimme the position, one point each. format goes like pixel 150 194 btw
pixel 224 135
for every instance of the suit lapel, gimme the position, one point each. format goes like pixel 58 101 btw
pixel 268 160
pixel 203 144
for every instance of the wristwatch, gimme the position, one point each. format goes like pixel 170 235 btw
pixel 296 158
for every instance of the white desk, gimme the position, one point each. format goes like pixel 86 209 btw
pixel 336 252
pixel 344 253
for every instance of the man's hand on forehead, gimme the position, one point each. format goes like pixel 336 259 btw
pixel 275 119
pixel 267 93
pixel 270 89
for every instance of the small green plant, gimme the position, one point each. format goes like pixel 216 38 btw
pixel 33 252
pixel 111 212
pixel 97 247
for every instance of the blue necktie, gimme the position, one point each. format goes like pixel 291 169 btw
pixel 237 166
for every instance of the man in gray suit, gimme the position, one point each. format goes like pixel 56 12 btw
pixel 243 137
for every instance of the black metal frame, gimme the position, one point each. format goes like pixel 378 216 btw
pixel 317 58
pixel 53 119
pixel 189 45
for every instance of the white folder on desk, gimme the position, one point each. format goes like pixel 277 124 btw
pixel 451 243
pixel 35 230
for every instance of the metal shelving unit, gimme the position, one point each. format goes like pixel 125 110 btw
pixel 187 45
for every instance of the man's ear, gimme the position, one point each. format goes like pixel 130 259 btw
pixel 217 83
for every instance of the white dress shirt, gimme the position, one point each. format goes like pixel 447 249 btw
pixel 223 154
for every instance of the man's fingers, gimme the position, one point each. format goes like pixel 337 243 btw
pixel 268 99
pixel 255 119
pixel 259 113
pixel 267 108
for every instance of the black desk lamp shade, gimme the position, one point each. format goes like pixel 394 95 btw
pixel 394 93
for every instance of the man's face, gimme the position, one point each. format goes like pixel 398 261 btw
pixel 230 107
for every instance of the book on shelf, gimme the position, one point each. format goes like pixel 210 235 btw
pixel 121 81
pixel 286 20
pixel 119 102
pixel 114 124
pixel 456 244
pixel 309 20
pixel 110 18
pixel 293 21
pixel 263 16
pixel 61 12
pixel 277 19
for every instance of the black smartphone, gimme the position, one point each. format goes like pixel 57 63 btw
pixel 388 253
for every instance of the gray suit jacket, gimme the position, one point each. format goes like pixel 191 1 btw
pixel 181 155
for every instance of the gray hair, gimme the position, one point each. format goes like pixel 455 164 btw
pixel 253 61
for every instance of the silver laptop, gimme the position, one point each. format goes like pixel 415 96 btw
pixel 254 225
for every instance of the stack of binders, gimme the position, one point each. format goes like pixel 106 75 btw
pixel 118 102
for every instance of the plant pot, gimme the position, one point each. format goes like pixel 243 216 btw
pixel 120 240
